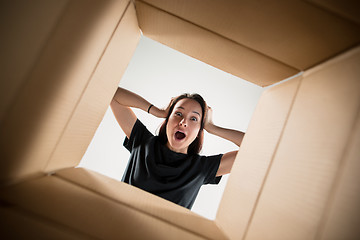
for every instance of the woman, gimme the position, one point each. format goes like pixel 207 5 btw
pixel 169 165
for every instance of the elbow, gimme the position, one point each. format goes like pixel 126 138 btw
pixel 240 139
pixel 238 143
pixel 117 93
pixel 113 103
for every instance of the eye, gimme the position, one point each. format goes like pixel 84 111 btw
pixel 193 119
pixel 178 114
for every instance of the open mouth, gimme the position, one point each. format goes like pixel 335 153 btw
pixel 179 135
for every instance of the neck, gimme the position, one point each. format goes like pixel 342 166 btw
pixel 183 151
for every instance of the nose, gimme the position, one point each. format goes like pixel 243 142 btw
pixel 183 122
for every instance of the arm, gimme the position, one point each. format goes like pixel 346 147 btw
pixel 121 103
pixel 234 136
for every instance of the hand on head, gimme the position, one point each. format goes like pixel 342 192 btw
pixel 208 118
pixel 165 111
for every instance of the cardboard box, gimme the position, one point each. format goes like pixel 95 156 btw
pixel 295 176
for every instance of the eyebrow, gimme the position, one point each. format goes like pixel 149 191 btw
pixel 193 111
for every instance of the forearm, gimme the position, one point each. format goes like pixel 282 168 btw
pixel 232 135
pixel 127 98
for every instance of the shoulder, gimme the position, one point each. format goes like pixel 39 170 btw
pixel 216 157
pixel 140 129
pixel 139 135
pixel 212 161
pixel 210 166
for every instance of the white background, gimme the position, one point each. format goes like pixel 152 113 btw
pixel 158 73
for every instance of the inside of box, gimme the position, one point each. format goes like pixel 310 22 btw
pixel 295 176
pixel 158 73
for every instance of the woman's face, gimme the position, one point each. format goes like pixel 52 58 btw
pixel 183 125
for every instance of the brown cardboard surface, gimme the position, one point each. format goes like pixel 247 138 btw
pixel 17 224
pixel 210 47
pixel 295 176
pixel 342 220
pixel 142 201
pixel 97 95
pixel 255 157
pixel 91 213
pixel 349 9
pixel 294 32
pixel 31 26
pixel 311 152
pixel 48 97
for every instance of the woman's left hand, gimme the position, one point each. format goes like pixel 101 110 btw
pixel 208 123
pixel 232 135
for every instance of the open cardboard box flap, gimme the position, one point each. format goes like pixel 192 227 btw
pixel 101 207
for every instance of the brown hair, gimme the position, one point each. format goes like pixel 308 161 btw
pixel 196 146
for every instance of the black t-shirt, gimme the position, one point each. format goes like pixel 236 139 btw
pixel 174 176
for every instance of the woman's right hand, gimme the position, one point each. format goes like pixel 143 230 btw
pixel 163 112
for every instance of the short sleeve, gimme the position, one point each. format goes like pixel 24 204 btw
pixel 210 167
pixel 138 135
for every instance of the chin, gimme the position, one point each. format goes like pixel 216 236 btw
pixel 176 147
